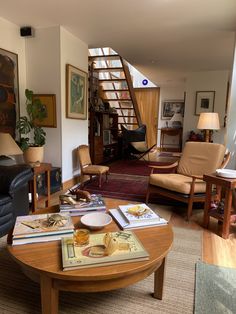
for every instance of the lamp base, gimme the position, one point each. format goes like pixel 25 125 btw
pixel 208 136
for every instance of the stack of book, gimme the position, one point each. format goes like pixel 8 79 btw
pixel 129 249
pixel 136 216
pixel 82 208
pixel 42 228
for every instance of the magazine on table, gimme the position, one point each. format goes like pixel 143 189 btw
pixel 124 222
pixel 103 249
pixel 138 213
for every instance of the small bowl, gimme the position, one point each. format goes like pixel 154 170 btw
pixel 96 221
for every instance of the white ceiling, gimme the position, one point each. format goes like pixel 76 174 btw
pixel 164 39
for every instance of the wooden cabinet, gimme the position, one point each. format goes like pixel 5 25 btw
pixel 103 136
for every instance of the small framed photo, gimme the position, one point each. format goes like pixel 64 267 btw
pixel 170 107
pixel 204 102
pixel 76 93
pixel 49 101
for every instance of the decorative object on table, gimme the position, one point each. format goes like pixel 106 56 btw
pixel 136 216
pixel 177 120
pixel 81 195
pixel 204 102
pixel 8 149
pixel 96 221
pixel 42 228
pixel 170 107
pixel 208 121
pixel 76 93
pixel 195 137
pixel 81 237
pixel 79 208
pixel 49 101
pixel 32 136
pixel 103 249
pixel 9 92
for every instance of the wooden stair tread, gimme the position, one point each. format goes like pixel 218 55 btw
pixel 113 80
pixel 115 90
pixel 110 69
pixel 104 57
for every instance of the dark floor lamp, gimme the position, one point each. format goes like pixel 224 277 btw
pixel 208 121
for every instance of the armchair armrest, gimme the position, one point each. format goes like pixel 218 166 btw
pixel 13 177
pixel 194 177
pixel 171 166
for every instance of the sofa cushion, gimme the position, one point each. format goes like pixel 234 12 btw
pixel 177 183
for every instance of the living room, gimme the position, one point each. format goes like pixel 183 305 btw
pixel 42 61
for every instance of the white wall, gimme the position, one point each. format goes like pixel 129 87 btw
pixel 11 41
pixel 43 77
pixel 205 81
pixel 74 131
pixel 231 117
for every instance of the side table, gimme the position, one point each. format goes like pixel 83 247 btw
pixel 43 168
pixel 228 185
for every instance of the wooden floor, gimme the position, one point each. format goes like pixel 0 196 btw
pixel 216 250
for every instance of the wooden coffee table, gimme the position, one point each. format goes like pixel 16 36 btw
pixel 42 262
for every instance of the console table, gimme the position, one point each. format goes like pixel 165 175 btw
pixel 228 185
pixel 171 132
pixel 43 168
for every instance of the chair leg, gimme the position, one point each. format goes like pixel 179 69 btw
pixel 147 194
pixel 107 176
pixel 190 208
pixel 100 181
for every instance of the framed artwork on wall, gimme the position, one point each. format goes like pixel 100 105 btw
pixel 9 92
pixel 76 93
pixel 170 107
pixel 204 102
pixel 49 101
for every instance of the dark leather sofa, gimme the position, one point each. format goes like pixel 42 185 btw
pixel 14 199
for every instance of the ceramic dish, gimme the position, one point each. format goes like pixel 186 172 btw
pixel 96 221
pixel 226 173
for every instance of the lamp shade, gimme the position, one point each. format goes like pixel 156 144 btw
pixel 8 146
pixel 208 121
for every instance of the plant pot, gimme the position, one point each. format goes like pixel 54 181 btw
pixel 34 156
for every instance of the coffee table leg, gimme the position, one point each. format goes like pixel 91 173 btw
pixel 49 296
pixel 159 281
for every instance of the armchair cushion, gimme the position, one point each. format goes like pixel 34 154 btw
pixel 94 169
pixel 177 183
pixel 200 158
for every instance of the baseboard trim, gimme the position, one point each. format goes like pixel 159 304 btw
pixel 69 183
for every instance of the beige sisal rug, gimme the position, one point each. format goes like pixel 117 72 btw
pixel 19 295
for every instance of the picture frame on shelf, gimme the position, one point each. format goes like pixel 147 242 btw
pixel 204 102
pixel 76 93
pixel 49 101
pixel 170 107
pixel 9 92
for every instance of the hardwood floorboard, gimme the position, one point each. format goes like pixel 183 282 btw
pixel 216 250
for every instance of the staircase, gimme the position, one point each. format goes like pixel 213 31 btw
pixel 111 81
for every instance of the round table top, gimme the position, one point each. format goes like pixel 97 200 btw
pixel 47 257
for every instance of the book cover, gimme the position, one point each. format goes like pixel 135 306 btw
pixel 96 202
pixel 130 249
pixel 43 224
pixel 80 212
pixel 123 224
pixel 138 212
pixel 38 239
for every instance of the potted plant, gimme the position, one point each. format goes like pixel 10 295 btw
pixel 32 136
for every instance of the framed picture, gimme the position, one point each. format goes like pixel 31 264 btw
pixel 170 107
pixel 9 92
pixel 49 101
pixel 76 93
pixel 204 102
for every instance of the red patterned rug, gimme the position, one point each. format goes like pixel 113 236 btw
pixel 122 186
pixel 134 167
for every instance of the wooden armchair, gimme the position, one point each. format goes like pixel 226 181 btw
pixel 186 184
pixel 86 166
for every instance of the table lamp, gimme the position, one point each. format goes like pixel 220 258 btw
pixel 176 120
pixel 8 147
pixel 208 121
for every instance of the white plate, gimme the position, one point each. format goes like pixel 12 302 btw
pixel 96 221
pixel 226 173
